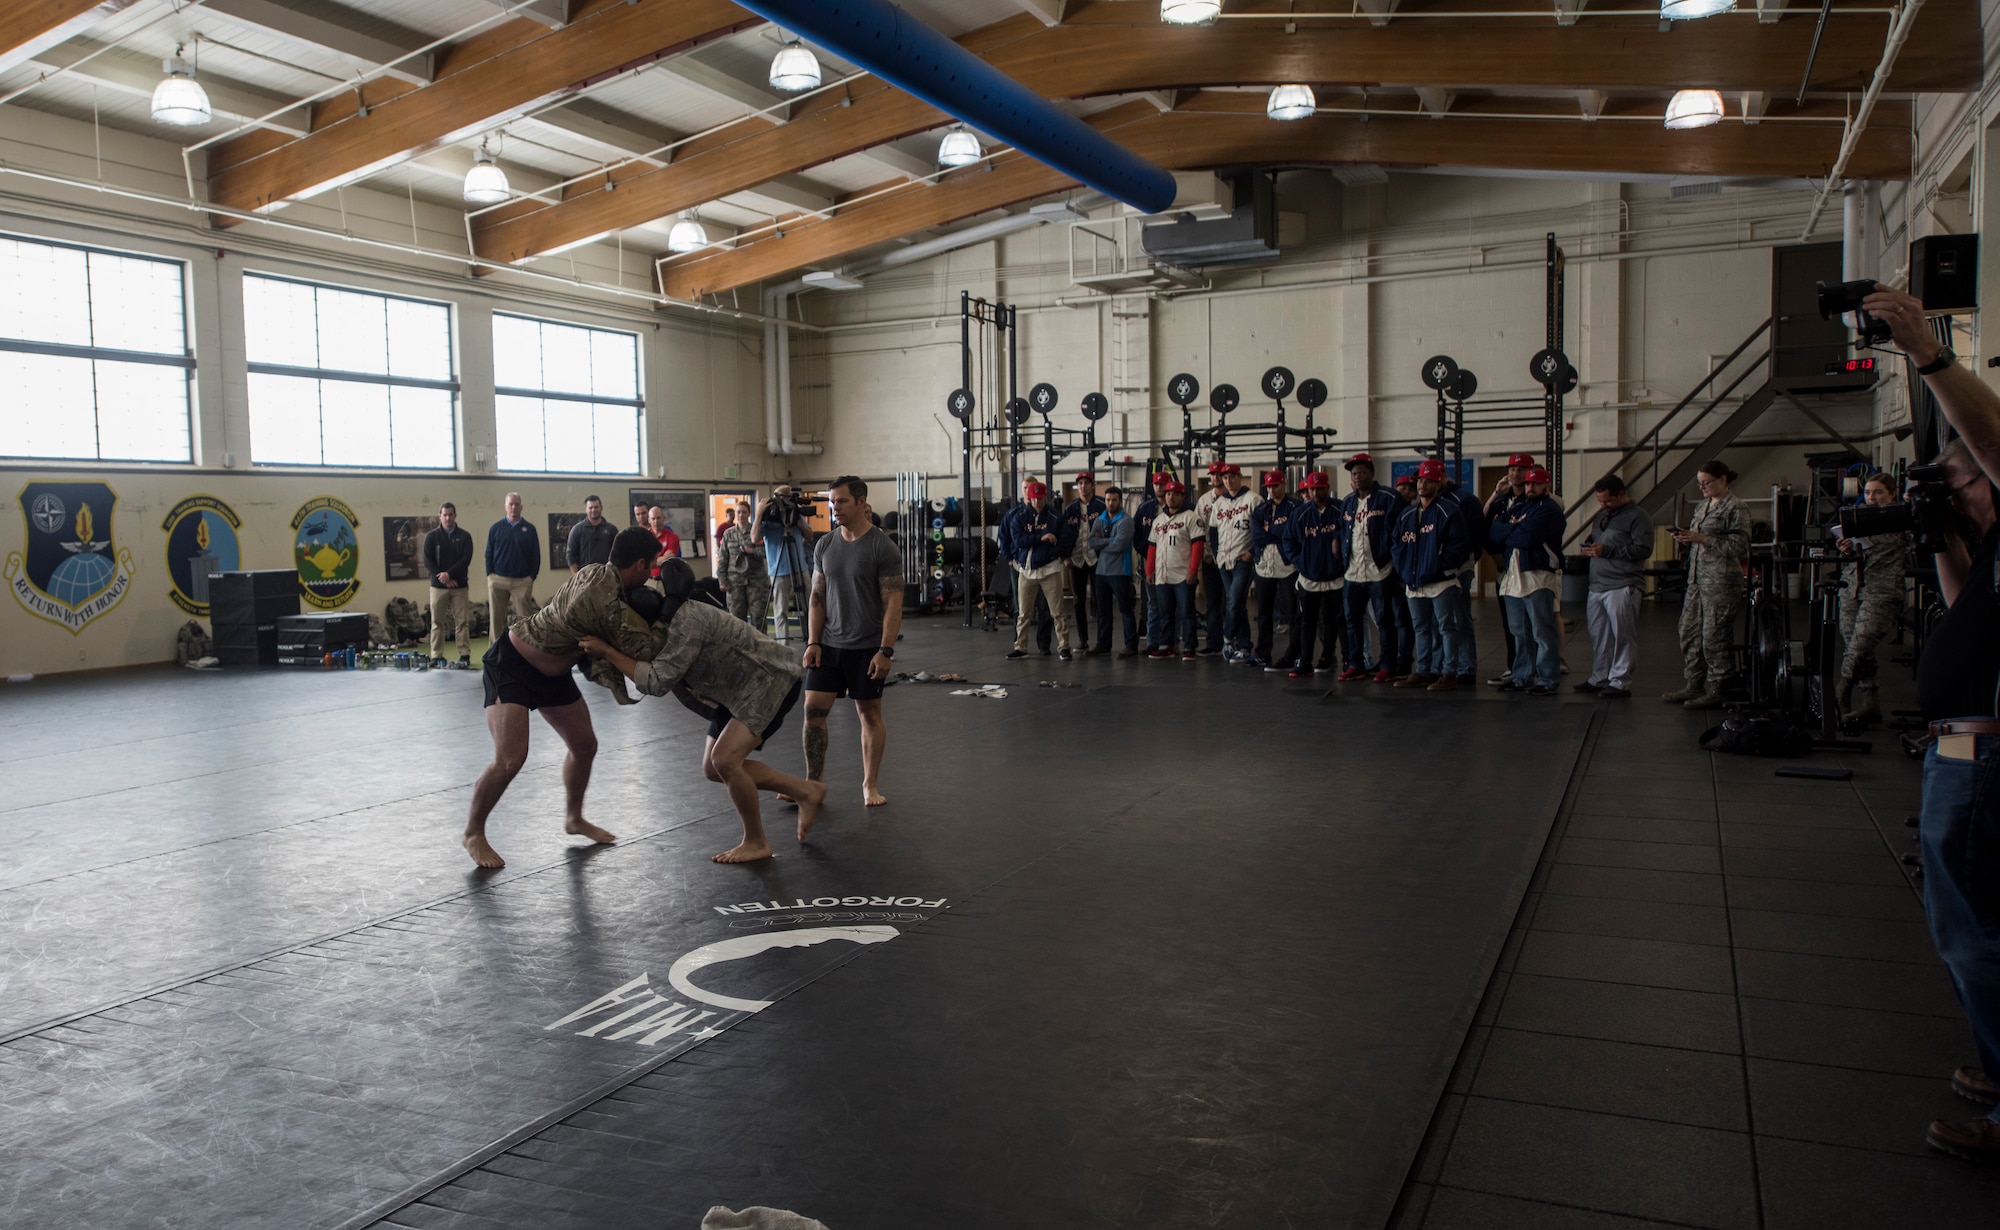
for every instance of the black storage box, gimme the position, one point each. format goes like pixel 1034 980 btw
pixel 249 601
pixel 333 630
pixel 246 646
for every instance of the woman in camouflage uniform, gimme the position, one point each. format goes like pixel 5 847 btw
pixel 1719 535
pixel 1869 606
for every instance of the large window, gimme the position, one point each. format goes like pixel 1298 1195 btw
pixel 94 361
pixel 348 378
pixel 566 398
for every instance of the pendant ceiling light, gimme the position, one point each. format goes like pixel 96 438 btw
pixel 486 183
pixel 1190 12
pixel 1291 102
pixel 794 68
pixel 959 149
pixel 1694 109
pixel 179 100
pixel 687 235
pixel 1688 10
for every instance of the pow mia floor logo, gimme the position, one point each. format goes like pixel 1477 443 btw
pixel 326 552
pixel 72 572
pixel 201 539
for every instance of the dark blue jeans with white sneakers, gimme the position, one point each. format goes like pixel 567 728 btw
pixel 1960 830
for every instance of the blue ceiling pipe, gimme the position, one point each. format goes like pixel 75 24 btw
pixel 908 54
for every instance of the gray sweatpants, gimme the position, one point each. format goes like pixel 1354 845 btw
pixel 1613 618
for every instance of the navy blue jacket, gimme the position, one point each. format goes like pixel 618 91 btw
pixel 1021 533
pixel 1532 529
pixel 1432 544
pixel 1474 514
pixel 1077 517
pixel 513 549
pixel 1142 524
pixel 1381 529
pixel 1270 522
pixel 1319 541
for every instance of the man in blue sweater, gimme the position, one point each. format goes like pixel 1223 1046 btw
pixel 1319 550
pixel 1034 537
pixel 1527 542
pixel 513 561
pixel 1370 516
pixel 1433 541
pixel 1111 540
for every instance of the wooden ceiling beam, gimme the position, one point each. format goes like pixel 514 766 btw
pixel 1184 140
pixel 507 72
pixel 30 27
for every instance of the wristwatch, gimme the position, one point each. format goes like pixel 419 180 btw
pixel 1945 358
pixel 887 651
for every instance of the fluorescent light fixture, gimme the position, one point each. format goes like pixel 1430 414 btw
pixel 831 279
pixel 959 149
pixel 794 68
pixel 1291 102
pixel 1694 109
pixel 179 99
pixel 486 183
pixel 687 236
pixel 1190 12
pixel 1688 10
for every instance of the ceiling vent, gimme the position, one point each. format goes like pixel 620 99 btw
pixel 1694 187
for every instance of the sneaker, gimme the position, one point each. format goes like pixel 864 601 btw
pixel 1017 653
pixel 1497 680
pixel 1205 653
pixel 1587 686
pixel 1064 656
pixel 1975 1140
pixel 1972 1085
pixel 1249 659
pixel 1159 655
pixel 437 664
pixel 1541 689
pixel 1279 668
pixel 1507 684
pixel 1385 675
pixel 1610 693
pixel 1350 675
pixel 1444 683
pixel 1190 656
pixel 1300 672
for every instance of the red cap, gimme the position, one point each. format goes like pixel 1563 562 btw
pixel 1406 480
pixel 1035 491
pixel 1315 481
pixel 1173 486
pixel 1431 468
pixel 1273 478
pixel 1162 477
pixel 1535 474
pixel 1520 459
pixel 1086 476
pixel 1359 459
pixel 1220 468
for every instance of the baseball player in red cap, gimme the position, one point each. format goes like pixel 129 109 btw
pixel 1226 520
pixel 1142 538
pixel 1032 536
pixel 1433 541
pixel 1276 579
pixel 1372 588
pixel 1505 492
pixel 1172 564
pixel 1527 543
pixel 1318 550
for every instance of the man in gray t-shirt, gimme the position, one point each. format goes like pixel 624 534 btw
pixel 851 630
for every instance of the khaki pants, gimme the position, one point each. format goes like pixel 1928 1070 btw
pixel 508 599
pixel 1051 589
pixel 453 606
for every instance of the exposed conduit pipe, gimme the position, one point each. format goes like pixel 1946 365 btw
pixel 778 374
pixel 1899 30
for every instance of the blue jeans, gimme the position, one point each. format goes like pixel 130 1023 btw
pixel 1440 631
pixel 1467 662
pixel 1537 650
pixel 1236 606
pixel 1157 617
pixel 1211 585
pixel 1959 827
pixel 1177 603
pixel 1366 598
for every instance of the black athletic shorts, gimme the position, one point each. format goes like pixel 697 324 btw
pixel 844 672
pixel 513 680
pixel 723 717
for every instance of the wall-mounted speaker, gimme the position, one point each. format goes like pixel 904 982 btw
pixel 1944 272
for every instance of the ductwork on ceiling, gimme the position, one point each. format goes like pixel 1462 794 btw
pixel 1248 236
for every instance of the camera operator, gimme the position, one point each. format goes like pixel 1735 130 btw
pixel 780 527
pixel 1869 606
pixel 1956 683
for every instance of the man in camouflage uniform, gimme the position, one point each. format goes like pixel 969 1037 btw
pixel 1869 607
pixel 1718 535
pixel 743 573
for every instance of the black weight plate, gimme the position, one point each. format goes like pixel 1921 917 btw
pixel 1547 365
pixel 1183 389
pixel 1568 384
pixel 1018 411
pixel 1438 371
pixel 1043 397
pixel 1312 393
pixel 1278 383
pixel 1095 406
pixel 1224 398
pixel 1463 385
pixel 960 403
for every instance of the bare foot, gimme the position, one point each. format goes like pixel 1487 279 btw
pixel 748 852
pixel 872 797
pixel 482 853
pixel 809 809
pixel 788 800
pixel 580 827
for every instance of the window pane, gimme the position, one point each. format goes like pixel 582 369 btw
pixel 565 359
pixel 284 420
pixel 517 353
pixel 421 427
pixel 136 305
pixel 354 422
pixel 142 412
pixel 44 293
pixel 419 340
pixel 48 410
pixel 280 325
pixel 571 436
pixel 518 433
pixel 617 438
pixel 614 364
pixel 353 332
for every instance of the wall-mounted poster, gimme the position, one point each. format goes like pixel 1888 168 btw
pixel 687 513
pixel 201 540
pixel 559 528
pixel 722 507
pixel 403 546
pixel 68 575
pixel 327 551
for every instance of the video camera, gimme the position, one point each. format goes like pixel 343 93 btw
pixel 786 511
pixel 1925 511
pixel 1841 298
